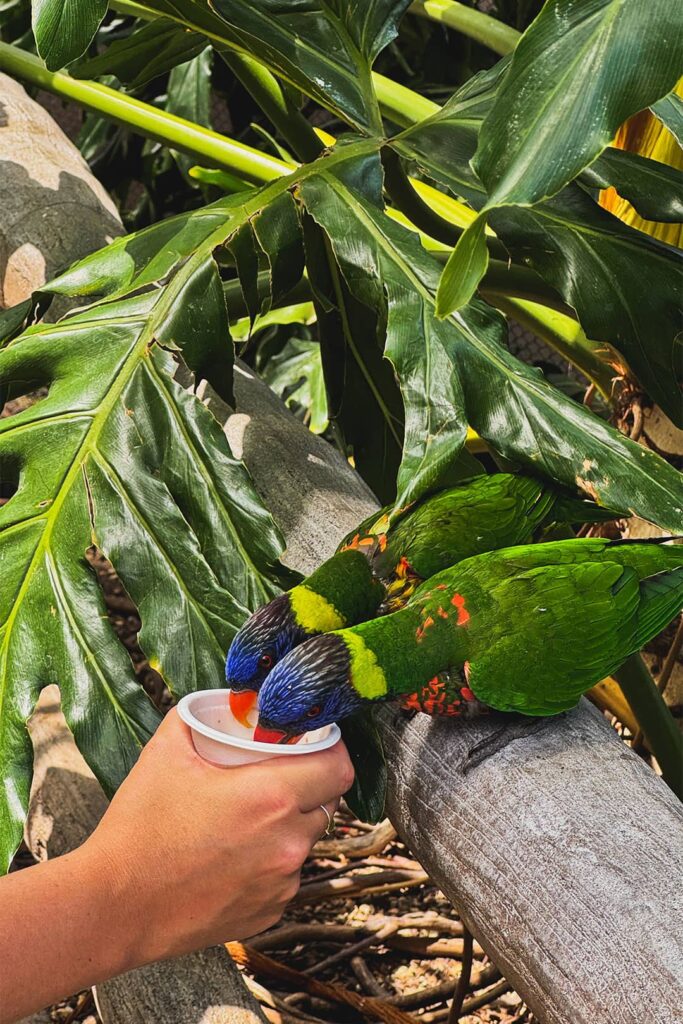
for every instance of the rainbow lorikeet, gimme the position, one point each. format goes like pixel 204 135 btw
pixel 379 566
pixel 526 629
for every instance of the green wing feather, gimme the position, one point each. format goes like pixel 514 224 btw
pixel 553 630
pixel 479 515
pixel 660 600
pixel 490 512
pixel 556 632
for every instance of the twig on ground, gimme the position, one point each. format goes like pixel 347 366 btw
pixel 426 947
pixel 286 936
pixel 423 997
pixel 369 1007
pixel 293 1013
pixel 343 954
pixel 85 1002
pixel 470 1005
pixel 373 883
pixel 367 979
pixel 353 847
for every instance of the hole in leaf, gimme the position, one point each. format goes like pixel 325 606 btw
pixel 10 470
pixel 15 396
pixel 125 620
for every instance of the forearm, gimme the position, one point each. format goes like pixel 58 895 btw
pixel 64 925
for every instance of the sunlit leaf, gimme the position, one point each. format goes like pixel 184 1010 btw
pixel 120 456
pixel 595 251
pixel 324 47
pixel 63 29
pixel 669 110
pixel 579 71
pixel 655 189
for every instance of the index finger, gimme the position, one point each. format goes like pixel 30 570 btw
pixel 315 778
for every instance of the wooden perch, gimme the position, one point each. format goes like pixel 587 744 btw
pixel 562 850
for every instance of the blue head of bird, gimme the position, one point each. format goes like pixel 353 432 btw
pixel 310 688
pixel 264 639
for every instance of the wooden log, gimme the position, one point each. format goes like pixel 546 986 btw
pixel 54 209
pixel 562 850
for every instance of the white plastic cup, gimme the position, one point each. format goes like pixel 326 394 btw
pixel 219 738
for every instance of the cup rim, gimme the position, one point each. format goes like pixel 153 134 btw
pixel 189 718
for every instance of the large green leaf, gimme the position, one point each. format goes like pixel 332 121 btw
pixel 296 375
pixel 149 51
pixel 63 29
pixel 580 250
pixel 367 796
pixel 458 371
pixel 118 455
pixel 123 458
pixel 580 70
pixel 189 96
pixel 653 188
pixel 324 47
pixel 363 399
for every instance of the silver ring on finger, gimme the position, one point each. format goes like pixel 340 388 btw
pixel 330 821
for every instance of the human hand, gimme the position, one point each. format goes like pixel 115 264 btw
pixel 198 854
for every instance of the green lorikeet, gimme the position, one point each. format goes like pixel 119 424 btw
pixel 380 565
pixel 526 629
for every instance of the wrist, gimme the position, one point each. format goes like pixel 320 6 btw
pixel 119 922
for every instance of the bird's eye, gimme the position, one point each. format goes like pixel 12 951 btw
pixel 313 712
pixel 266 661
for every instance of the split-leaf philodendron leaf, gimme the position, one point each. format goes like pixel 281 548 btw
pixel 145 54
pixel 458 371
pixel 579 71
pixel 121 458
pixel 326 48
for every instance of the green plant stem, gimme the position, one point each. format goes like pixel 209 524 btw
pixel 268 93
pixel 561 332
pixel 522 286
pixel 661 731
pixel 400 104
pixel 200 143
pixel 498 36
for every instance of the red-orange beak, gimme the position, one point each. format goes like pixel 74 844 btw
pixel 262 735
pixel 241 703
